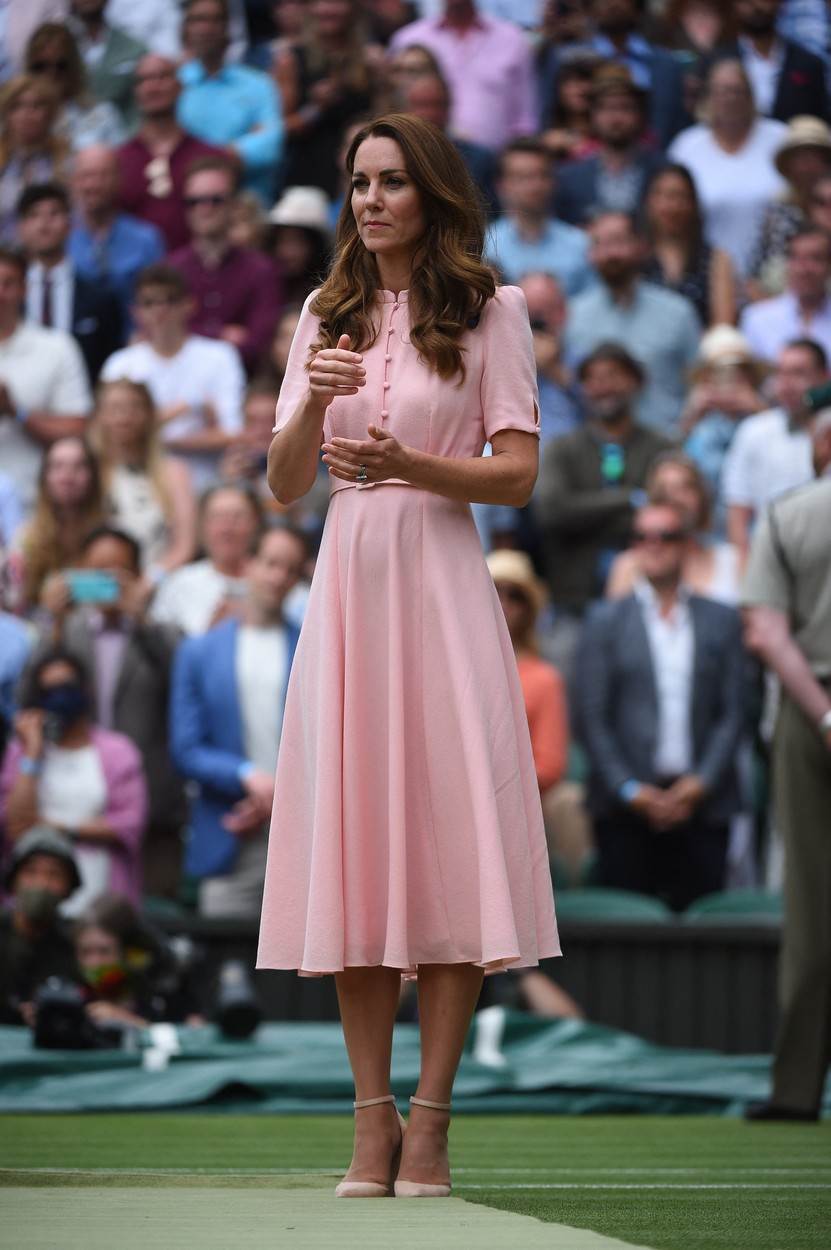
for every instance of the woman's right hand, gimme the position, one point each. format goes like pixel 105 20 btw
pixel 336 371
pixel 56 595
pixel 28 725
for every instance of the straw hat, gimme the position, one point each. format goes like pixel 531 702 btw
pixel 724 346
pixel 803 132
pixel 307 207
pixel 515 567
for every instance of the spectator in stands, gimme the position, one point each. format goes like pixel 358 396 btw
pixel 771 451
pixel 567 125
pixel 30 149
pixel 246 457
pixel 731 156
pixel 201 594
pixel 616 37
pixel 196 383
pixel 107 246
pixel 236 291
pixel 819 210
pixel 404 67
pixel 87 782
pixel 488 66
pixel 711 567
pixel 786 78
pixel 248 221
pixel 659 327
pixel 679 257
pixel 56 296
pixel 326 79
pixel 388 16
pixel 147 494
pixel 273 364
pixel 527 238
pixel 592 480
pixel 559 402
pixel 692 30
pixel 659 710
pixel 804 309
pixel 803 159
pixel 109 54
pixel 155 23
pixel 153 163
pixel 129 660
pixel 299 241
pixel 428 96
pixel 53 53
pixel 68 505
pixel 229 105
pixel 35 943
pixel 44 392
pixel 613 177
pixel 728 382
pixel 226 709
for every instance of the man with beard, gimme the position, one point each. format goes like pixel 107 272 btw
pixel 659 327
pixel 591 481
pixel 614 178
pixel 34 943
pixel 787 80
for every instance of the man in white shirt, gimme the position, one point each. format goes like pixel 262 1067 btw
pixel 804 310
pixel 197 383
pixel 659 711
pixel 227 700
pixel 771 451
pixel 44 392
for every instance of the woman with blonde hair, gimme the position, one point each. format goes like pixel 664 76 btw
pixel 30 149
pixel 407 834
pixel 52 54
pixel 147 494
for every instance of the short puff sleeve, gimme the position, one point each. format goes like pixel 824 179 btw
pixel 296 380
pixel 508 388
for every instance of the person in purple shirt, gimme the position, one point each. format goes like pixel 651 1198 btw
pixel 488 66
pixel 237 291
pixel 154 162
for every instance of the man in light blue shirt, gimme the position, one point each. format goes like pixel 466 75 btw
pixel 229 105
pixel 659 328
pixel 527 239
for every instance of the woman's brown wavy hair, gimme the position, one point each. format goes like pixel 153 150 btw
pixel 450 283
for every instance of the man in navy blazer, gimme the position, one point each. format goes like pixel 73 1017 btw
pixel 659 686
pixel 57 296
pixel 226 708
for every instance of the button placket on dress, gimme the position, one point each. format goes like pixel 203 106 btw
pixel 386 384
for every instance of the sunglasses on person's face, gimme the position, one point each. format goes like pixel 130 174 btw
pixel 640 537
pixel 213 201
pixel 43 67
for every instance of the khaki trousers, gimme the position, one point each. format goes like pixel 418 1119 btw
pixel 802 804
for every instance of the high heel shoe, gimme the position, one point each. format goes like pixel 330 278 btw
pixel 414 1189
pixel 372 1189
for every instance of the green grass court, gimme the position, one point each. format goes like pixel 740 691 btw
pixel 222 1182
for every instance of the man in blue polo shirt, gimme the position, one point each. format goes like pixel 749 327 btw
pixel 229 105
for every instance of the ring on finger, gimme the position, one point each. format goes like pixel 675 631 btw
pixel 360 476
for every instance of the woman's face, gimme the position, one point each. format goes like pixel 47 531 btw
pixel 678 484
pixel 728 99
pixel 95 948
pixel 407 65
pixel 122 416
pixel 516 606
pixel 386 202
pixel 67 481
pixel 28 120
pixel 281 343
pixel 805 166
pixel 331 17
pixel 670 207
pixel 52 61
pixel 292 249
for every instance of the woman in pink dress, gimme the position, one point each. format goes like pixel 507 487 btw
pixel 407 835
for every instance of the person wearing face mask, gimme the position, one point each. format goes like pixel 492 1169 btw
pixel 41 873
pixel 87 782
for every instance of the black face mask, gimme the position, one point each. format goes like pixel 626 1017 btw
pixel 66 703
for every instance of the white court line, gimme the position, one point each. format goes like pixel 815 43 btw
pixel 647 1185
pixel 473 1171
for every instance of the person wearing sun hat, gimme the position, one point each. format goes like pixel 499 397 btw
pixel 803 157
pixel 298 238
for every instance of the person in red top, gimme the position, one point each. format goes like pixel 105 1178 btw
pixel 154 163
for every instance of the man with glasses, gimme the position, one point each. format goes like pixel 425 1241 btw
pixel 659 713
pixel 153 164
pixel 237 291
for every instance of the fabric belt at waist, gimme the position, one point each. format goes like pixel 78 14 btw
pixel 339 484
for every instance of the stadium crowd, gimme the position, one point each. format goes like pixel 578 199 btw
pixel 657 179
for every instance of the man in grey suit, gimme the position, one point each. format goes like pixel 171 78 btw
pixel 659 711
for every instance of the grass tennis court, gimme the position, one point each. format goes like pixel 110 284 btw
pixel 673 1183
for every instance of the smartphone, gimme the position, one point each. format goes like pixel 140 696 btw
pixel 92 586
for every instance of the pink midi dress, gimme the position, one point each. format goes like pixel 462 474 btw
pixel 407 825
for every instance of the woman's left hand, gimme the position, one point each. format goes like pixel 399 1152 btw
pixel 383 456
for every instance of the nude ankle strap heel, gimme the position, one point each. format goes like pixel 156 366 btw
pixel 414 1189
pixel 372 1189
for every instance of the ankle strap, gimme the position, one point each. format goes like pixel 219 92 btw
pixel 425 1102
pixel 373 1102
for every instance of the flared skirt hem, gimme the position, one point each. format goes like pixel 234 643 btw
pixel 506 964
